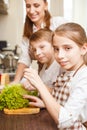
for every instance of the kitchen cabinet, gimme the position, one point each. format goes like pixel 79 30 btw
pixel 4 5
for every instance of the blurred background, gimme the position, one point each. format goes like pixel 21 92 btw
pixel 12 17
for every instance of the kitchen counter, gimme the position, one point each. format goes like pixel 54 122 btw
pixel 40 121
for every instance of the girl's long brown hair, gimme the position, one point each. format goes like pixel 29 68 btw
pixel 28 26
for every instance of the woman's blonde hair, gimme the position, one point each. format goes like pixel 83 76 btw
pixel 75 32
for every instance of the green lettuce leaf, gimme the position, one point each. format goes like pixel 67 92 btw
pixel 11 97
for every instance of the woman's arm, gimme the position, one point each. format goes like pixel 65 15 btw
pixel 19 72
pixel 24 60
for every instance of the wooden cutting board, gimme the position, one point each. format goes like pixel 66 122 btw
pixel 22 111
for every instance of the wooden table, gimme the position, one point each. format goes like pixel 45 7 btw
pixel 40 121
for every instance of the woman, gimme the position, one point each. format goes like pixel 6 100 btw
pixel 37 16
pixel 68 105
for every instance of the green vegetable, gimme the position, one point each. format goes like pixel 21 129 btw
pixel 34 93
pixel 11 97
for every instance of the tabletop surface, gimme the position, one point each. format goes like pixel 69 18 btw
pixel 40 121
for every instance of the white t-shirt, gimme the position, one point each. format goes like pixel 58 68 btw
pixel 24 57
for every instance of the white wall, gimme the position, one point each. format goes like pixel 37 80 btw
pixel 11 25
pixel 80 12
pixel 56 8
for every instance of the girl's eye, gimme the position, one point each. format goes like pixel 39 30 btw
pixel 56 49
pixel 67 48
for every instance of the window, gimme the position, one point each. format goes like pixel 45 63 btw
pixel 68 9
pixel 48 4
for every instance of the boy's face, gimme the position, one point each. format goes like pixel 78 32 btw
pixel 67 53
pixel 43 51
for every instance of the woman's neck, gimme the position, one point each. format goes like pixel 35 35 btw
pixel 39 24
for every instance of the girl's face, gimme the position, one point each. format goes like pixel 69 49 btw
pixel 36 10
pixel 67 53
pixel 43 51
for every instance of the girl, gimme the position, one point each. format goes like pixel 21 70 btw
pixel 37 17
pixel 68 105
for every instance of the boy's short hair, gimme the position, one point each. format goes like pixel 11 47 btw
pixel 42 34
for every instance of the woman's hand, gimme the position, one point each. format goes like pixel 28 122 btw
pixel 35 101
